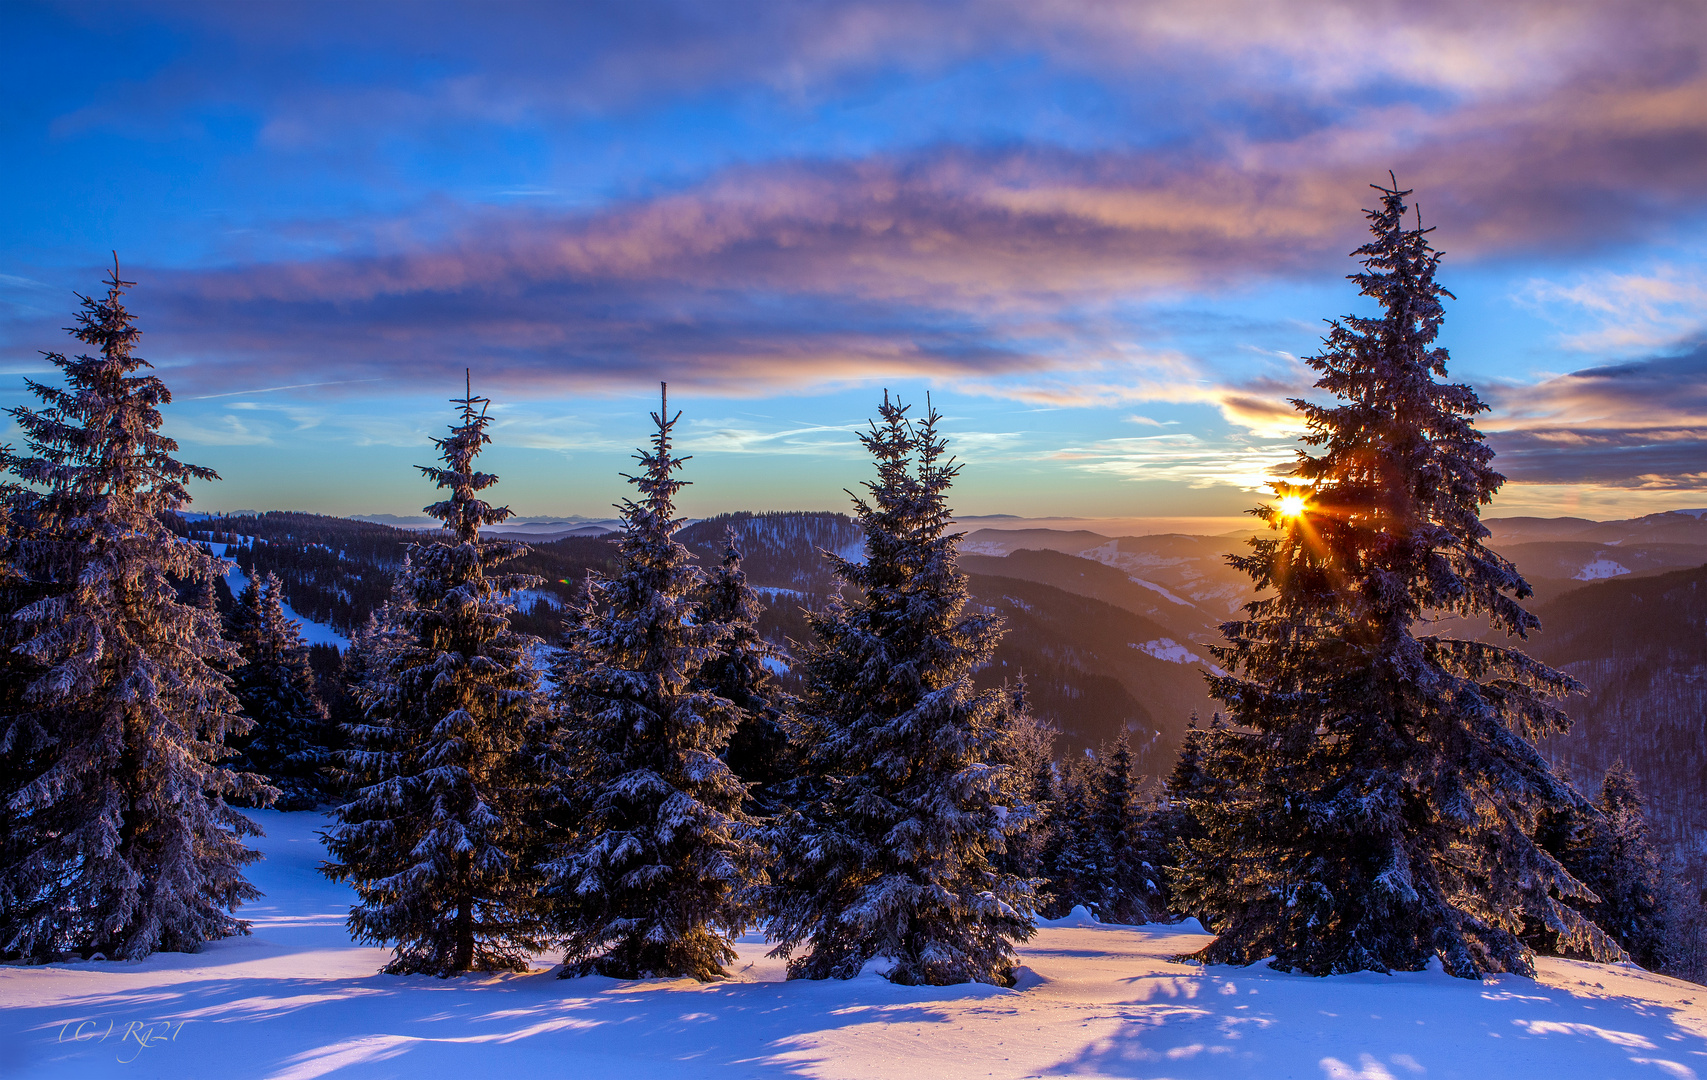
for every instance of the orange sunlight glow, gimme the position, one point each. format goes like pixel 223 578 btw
pixel 1291 506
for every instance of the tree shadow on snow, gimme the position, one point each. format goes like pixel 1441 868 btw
pixel 1230 1022
pixel 300 1028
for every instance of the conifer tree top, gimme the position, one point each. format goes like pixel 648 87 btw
pixel 654 514
pixel 1404 473
pixel 462 513
pixel 98 436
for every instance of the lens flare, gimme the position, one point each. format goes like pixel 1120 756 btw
pixel 1291 506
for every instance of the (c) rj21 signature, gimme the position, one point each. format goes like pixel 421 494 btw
pixel 141 1033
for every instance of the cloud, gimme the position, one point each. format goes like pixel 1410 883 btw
pixel 753 435
pixel 948 264
pixel 1640 424
pixel 514 62
pixel 1630 311
pixel 1652 460
pixel 227 430
pixel 1248 464
pixel 1652 394
pixel 1033 259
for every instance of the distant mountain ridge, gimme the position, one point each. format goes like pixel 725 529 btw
pixel 1112 633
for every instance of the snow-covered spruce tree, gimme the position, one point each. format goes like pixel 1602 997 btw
pixel 375 647
pixel 1374 804
pixel 892 856
pixel 1126 883
pixel 1026 750
pixel 659 870
pixel 287 743
pixel 1614 857
pixel 118 839
pixel 438 839
pixel 758 751
pixel 1686 921
pixel 368 725
pixel 1171 825
pixel 1069 869
pixel 1097 854
pixel 22 746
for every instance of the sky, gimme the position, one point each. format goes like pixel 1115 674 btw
pixel 1101 237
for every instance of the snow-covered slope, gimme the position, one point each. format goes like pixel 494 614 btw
pixel 1599 569
pixel 298 1000
pixel 313 633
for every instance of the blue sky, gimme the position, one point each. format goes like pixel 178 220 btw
pixel 1098 235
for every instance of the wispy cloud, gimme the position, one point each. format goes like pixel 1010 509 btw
pixel 275 389
pixel 1243 463
pixel 948 264
pixel 1631 311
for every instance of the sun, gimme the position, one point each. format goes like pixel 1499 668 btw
pixel 1291 506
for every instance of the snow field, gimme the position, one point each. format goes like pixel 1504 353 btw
pixel 298 1000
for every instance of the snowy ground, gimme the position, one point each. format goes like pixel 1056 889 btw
pixel 298 1000
pixel 313 633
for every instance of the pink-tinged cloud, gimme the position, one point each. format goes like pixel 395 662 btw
pixel 948 263
pixel 527 59
pixel 1641 424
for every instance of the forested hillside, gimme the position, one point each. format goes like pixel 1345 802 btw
pixel 334 570
pixel 1640 647
pixel 780 549
pixel 338 571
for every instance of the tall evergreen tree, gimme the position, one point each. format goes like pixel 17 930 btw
pixel 892 858
pixel 659 869
pixel 287 744
pixel 118 839
pixel 758 751
pixel 1375 804
pixel 438 839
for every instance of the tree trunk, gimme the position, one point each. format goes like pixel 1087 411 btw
pixel 464 916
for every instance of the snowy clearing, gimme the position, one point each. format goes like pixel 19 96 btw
pixel 1168 649
pixel 313 633
pixel 1599 570
pixel 298 1000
